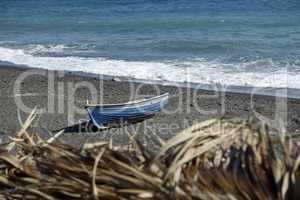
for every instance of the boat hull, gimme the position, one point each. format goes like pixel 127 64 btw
pixel 102 116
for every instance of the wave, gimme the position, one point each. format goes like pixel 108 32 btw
pixel 34 49
pixel 57 49
pixel 197 70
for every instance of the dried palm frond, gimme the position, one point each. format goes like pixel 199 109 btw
pixel 215 159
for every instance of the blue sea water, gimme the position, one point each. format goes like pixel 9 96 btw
pixel 234 42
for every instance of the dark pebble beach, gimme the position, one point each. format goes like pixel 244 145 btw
pixel 61 97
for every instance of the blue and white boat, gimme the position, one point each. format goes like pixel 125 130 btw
pixel 103 115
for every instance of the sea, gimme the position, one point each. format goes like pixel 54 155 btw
pixel 251 43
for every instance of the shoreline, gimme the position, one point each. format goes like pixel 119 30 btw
pixel 291 93
pixel 187 102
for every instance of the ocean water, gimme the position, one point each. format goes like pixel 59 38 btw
pixel 232 42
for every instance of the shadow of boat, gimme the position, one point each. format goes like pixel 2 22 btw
pixel 89 127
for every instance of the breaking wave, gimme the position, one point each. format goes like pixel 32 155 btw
pixel 196 70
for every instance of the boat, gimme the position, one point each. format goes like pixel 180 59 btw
pixel 104 115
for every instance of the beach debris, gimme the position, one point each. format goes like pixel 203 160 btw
pixel 214 159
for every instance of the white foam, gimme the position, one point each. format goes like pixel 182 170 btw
pixel 197 70
pixel 33 49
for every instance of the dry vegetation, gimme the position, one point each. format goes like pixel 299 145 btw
pixel 216 159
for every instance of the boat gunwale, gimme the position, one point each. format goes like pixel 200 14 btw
pixel 127 103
